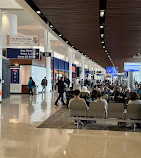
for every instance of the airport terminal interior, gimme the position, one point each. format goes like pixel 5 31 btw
pixel 70 79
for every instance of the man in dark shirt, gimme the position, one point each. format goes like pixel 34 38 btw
pixel 67 81
pixel 61 89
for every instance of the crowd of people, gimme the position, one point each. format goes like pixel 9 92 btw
pixel 97 91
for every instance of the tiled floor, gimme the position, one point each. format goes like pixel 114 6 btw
pixel 20 115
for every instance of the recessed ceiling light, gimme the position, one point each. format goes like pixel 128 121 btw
pixel 102 35
pixel 101 26
pixel 102 42
pixel 106 51
pixel 102 13
pixel 60 35
pixel 103 46
pixel 38 12
pixel 51 26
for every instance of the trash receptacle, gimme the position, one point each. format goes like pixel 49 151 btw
pixel 36 91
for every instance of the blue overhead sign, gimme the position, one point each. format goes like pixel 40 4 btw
pixel 111 70
pixel 16 53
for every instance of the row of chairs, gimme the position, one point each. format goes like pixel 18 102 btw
pixel 96 111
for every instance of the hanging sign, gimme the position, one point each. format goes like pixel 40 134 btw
pixel 14 53
pixel 25 40
pixel 46 54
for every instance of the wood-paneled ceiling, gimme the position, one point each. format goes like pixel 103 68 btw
pixel 78 22
pixel 123 30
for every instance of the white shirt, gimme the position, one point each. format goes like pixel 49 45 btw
pixel 77 99
pixel 105 103
pixel 134 102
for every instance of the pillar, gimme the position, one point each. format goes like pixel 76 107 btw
pixel 1 52
pixel 47 48
pixel 70 60
pixel 130 80
pixel 90 69
pixel 83 67
pixel 9 24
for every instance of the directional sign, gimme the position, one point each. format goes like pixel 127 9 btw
pixel 14 53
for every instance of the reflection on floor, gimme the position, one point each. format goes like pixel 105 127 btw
pixel 20 115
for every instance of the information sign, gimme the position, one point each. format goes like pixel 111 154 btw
pixel 15 76
pixel 14 53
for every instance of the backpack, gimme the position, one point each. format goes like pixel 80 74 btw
pixel 33 83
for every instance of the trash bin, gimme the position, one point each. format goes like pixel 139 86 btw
pixel 36 90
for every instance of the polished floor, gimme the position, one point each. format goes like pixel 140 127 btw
pixel 20 115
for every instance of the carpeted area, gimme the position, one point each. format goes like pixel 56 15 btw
pixel 60 120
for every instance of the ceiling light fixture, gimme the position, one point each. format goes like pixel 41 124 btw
pixel 67 42
pixel 101 26
pixel 38 12
pixel 60 35
pixel 102 42
pixel 102 35
pixel 51 26
pixel 102 13
pixel 103 46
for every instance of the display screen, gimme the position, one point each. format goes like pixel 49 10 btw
pixel 73 68
pixel 111 70
pixel 131 66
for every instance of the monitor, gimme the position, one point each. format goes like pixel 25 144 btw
pixel 131 66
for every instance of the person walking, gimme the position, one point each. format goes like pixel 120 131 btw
pixel 44 84
pixel 61 89
pixel 31 85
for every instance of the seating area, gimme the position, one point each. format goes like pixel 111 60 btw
pixel 115 112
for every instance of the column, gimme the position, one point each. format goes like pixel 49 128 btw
pixel 83 67
pixel 1 52
pixel 130 80
pixel 9 24
pixel 94 70
pixel 70 56
pixel 90 69
pixel 47 48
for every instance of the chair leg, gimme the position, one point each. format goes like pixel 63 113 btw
pixel 77 123
pixel 135 127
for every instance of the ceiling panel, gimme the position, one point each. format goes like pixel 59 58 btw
pixel 78 22
pixel 123 30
